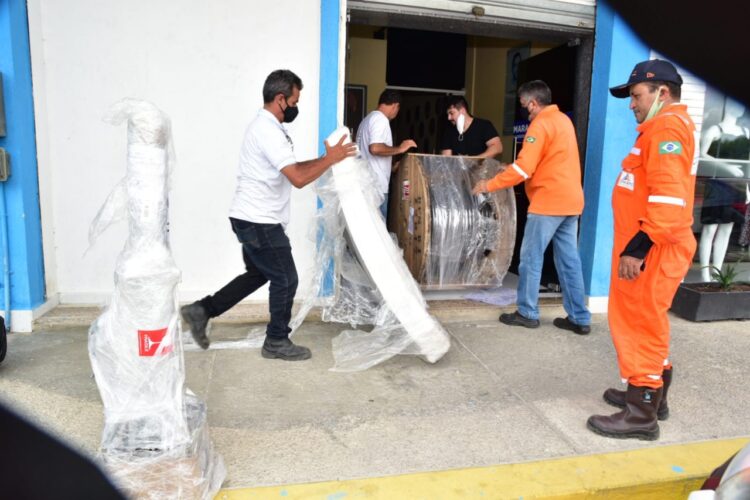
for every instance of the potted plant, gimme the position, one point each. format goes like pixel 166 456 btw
pixel 726 298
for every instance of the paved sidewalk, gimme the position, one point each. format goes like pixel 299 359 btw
pixel 501 395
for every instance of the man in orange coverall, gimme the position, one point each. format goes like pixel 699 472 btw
pixel 550 167
pixel 653 248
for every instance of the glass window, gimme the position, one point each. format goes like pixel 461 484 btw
pixel 722 193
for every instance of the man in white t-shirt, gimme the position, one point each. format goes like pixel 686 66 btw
pixel 376 143
pixel 259 215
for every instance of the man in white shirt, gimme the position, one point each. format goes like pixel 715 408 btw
pixel 259 215
pixel 375 142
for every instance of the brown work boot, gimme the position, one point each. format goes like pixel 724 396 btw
pixel 638 419
pixel 616 397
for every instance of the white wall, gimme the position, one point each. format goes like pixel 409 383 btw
pixel 204 64
pixel 39 83
pixel 693 93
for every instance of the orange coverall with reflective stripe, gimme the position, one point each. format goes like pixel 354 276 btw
pixel 654 194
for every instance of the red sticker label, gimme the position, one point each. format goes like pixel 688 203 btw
pixel 149 342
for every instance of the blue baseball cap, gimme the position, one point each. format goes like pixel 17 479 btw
pixel 654 70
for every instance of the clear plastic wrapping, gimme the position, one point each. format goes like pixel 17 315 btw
pixel 190 471
pixel 360 276
pixel 155 440
pixel 451 238
pixel 472 236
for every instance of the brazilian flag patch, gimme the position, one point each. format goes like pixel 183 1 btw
pixel 531 139
pixel 670 148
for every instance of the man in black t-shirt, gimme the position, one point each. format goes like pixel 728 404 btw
pixel 469 136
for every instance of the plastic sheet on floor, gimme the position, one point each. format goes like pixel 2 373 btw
pixel 496 296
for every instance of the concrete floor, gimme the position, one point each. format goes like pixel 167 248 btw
pixel 501 395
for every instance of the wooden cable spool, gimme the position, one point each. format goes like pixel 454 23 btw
pixel 449 238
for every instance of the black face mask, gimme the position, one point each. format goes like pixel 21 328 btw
pixel 524 113
pixel 290 113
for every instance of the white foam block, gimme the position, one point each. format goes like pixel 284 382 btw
pixel 382 258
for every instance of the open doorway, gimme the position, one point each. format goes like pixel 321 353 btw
pixel 430 65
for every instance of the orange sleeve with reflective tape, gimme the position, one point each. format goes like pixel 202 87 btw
pixel 668 163
pixel 528 159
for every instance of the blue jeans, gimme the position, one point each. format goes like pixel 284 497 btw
pixel 563 232
pixel 384 207
pixel 268 257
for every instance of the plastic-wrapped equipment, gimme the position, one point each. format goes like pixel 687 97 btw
pixel 450 237
pixel 155 442
pixel 370 281
pixel 359 277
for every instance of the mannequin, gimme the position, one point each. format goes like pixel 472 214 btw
pixel 745 232
pixel 714 243
pixel 727 140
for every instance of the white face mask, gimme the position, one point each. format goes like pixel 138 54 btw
pixel 655 106
pixel 460 121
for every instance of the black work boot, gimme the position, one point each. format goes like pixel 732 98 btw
pixel 566 324
pixel 616 397
pixel 275 348
pixel 638 419
pixel 196 317
pixel 517 319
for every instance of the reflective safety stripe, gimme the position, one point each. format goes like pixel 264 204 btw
pixel 624 380
pixel 666 362
pixel 684 120
pixel 668 200
pixel 520 171
pixel 635 151
pixel 654 377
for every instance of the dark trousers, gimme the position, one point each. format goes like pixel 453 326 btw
pixel 268 257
